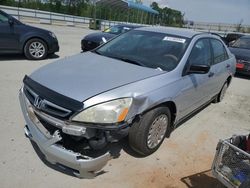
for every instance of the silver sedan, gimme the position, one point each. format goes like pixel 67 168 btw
pixel 141 84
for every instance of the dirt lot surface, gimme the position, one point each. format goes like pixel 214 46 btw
pixel 184 160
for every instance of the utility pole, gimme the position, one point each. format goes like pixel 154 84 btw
pixel 18 10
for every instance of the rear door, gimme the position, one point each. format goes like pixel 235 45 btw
pixel 219 70
pixel 8 38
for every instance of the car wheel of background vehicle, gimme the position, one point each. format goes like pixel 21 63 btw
pixel 36 49
pixel 222 93
pixel 146 135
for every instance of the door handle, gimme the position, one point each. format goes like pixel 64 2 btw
pixel 211 74
pixel 227 66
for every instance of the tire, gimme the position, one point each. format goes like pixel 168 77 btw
pixel 221 95
pixel 35 49
pixel 139 134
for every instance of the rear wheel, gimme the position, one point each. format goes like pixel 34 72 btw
pixel 36 49
pixel 146 135
pixel 222 93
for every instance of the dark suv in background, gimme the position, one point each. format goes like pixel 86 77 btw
pixel 33 42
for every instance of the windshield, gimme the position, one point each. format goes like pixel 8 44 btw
pixel 242 43
pixel 117 30
pixel 149 49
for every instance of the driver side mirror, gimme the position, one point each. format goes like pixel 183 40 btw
pixel 199 69
pixel 11 21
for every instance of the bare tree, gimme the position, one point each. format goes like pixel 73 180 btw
pixel 239 25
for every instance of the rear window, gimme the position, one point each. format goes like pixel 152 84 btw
pixel 242 43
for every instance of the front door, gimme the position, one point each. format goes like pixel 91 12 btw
pixel 8 38
pixel 196 88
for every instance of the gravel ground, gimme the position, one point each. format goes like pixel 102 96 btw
pixel 183 160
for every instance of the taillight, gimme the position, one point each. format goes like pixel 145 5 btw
pixel 239 64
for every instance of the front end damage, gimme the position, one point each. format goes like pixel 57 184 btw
pixel 76 147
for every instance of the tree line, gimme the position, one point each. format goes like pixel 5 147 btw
pixel 87 8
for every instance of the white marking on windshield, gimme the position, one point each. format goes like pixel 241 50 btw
pixel 175 39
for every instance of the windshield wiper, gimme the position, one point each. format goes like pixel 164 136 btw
pixel 132 61
pixel 97 52
pixel 125 59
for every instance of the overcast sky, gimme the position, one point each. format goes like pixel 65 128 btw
pixel 216 11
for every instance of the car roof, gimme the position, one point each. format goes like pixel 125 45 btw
pixel 128 25
pixel 188 33
pixel 245 37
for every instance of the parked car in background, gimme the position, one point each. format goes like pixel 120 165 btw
pixel 33 42
pixel 141 84
pixel 91 41
pixel 241 49
pixel 230 38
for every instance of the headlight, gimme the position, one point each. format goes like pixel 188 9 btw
pixel 52 35
pixel 109 112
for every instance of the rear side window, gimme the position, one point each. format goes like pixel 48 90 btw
pixel 219 51
pixel 201 53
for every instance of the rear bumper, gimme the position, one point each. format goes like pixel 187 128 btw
pixel 243 71
pixel 243 67
pixel 82 166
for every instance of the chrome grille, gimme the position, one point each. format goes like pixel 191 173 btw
pixel 44 105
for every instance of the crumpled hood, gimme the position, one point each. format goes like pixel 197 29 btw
pixel 85 75
pixel 97 37
pixel 243 54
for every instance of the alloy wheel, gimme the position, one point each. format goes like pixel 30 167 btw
pixel 37 49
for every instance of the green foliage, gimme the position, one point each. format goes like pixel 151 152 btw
pixel 86 8
pixel 8 2
pixel 248 30
pixel 168 16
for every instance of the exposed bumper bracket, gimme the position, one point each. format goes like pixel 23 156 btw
pixel 82 166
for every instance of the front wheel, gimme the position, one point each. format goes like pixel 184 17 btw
pixel 36 49
pixel 146 135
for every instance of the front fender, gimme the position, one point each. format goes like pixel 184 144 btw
pixel 31 35
pixel 146 94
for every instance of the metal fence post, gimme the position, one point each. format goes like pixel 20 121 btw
pixel 128 15
pixel 50 18
pixel 18 10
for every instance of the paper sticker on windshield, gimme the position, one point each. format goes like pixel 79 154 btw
pixel 126 28
pixel 175 39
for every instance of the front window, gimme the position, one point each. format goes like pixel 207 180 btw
pixel 149 49
pixel 242 43
pixel 3 18
pixel 117 30
pixel 201 54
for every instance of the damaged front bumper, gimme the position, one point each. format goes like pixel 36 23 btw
pixel 81 165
